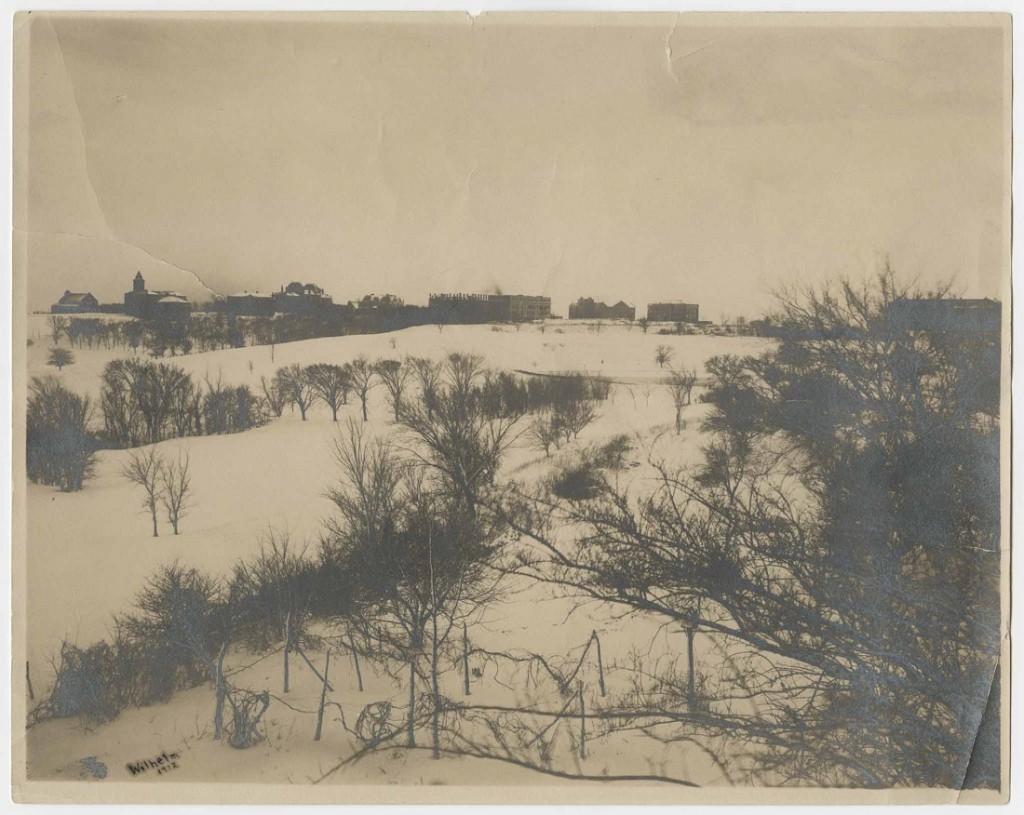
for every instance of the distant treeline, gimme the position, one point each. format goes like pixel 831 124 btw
pixel 218 330
pixel 145 401
pixel 204 332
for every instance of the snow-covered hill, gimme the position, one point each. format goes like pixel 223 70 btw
pixel 90 552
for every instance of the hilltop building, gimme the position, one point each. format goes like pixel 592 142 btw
pixel 75 303
pixel 587 308
pixel 487 308
pixel 250 304
pixel 673 312
pixel 295 298
pixel 300 298
pixel 155 305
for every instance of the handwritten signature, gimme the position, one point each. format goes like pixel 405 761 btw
pixel 163 763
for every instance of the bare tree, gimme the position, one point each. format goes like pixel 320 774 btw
pixel 395 375
pixel 59 357
pixel 428 377
pixel 680 385
pixel 176 490
pixel 156 387
pixel 272 396
pixel 217 405
pixel 663 355
pixel 186 401
pixel 296 386
pixel 122 419
pixel 58 325
pixel 419 565
pixel 182 614
pixel 145 402
pixel 457 438
pixel 573 417
pixel 272 594
pixel 363 375
pixel 330 385
pixel 544 431
pixel 144 468
pixel 371 471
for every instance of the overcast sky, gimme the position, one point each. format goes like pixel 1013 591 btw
pixel 648 160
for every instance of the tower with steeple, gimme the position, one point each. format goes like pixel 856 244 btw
pixel 155 305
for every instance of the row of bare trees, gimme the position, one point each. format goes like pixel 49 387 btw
pixel 158 337
pixel 145 402
pixel 301 386
pixel 496 394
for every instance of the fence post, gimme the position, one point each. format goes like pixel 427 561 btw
pixel 600 663
pixel 323 699
pixel 28 678
pixel 355 658
pixel 583 723
pixel 218 710
pixel 312 667
pixel 465 657
pixel 287 644
pixel 411 724
pixel 691 684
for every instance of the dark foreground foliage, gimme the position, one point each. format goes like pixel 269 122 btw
pixel 839 542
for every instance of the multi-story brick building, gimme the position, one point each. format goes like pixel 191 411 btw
pixel 486 308
pixel 673 312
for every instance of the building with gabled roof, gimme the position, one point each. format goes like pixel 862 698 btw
pixel 586 308
pixel 75 303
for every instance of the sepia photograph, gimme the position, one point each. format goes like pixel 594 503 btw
pixel 515 407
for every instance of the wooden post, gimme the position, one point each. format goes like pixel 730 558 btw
pixel 287 645
pixel 436 692
pixel 465 657
pixel 28 679
pixel 323 699
pixel 583 723
pixel 312 667
pixel 691 685
pixel 355 658
pixel 600 663
pixel 218 712
pixel 411 741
